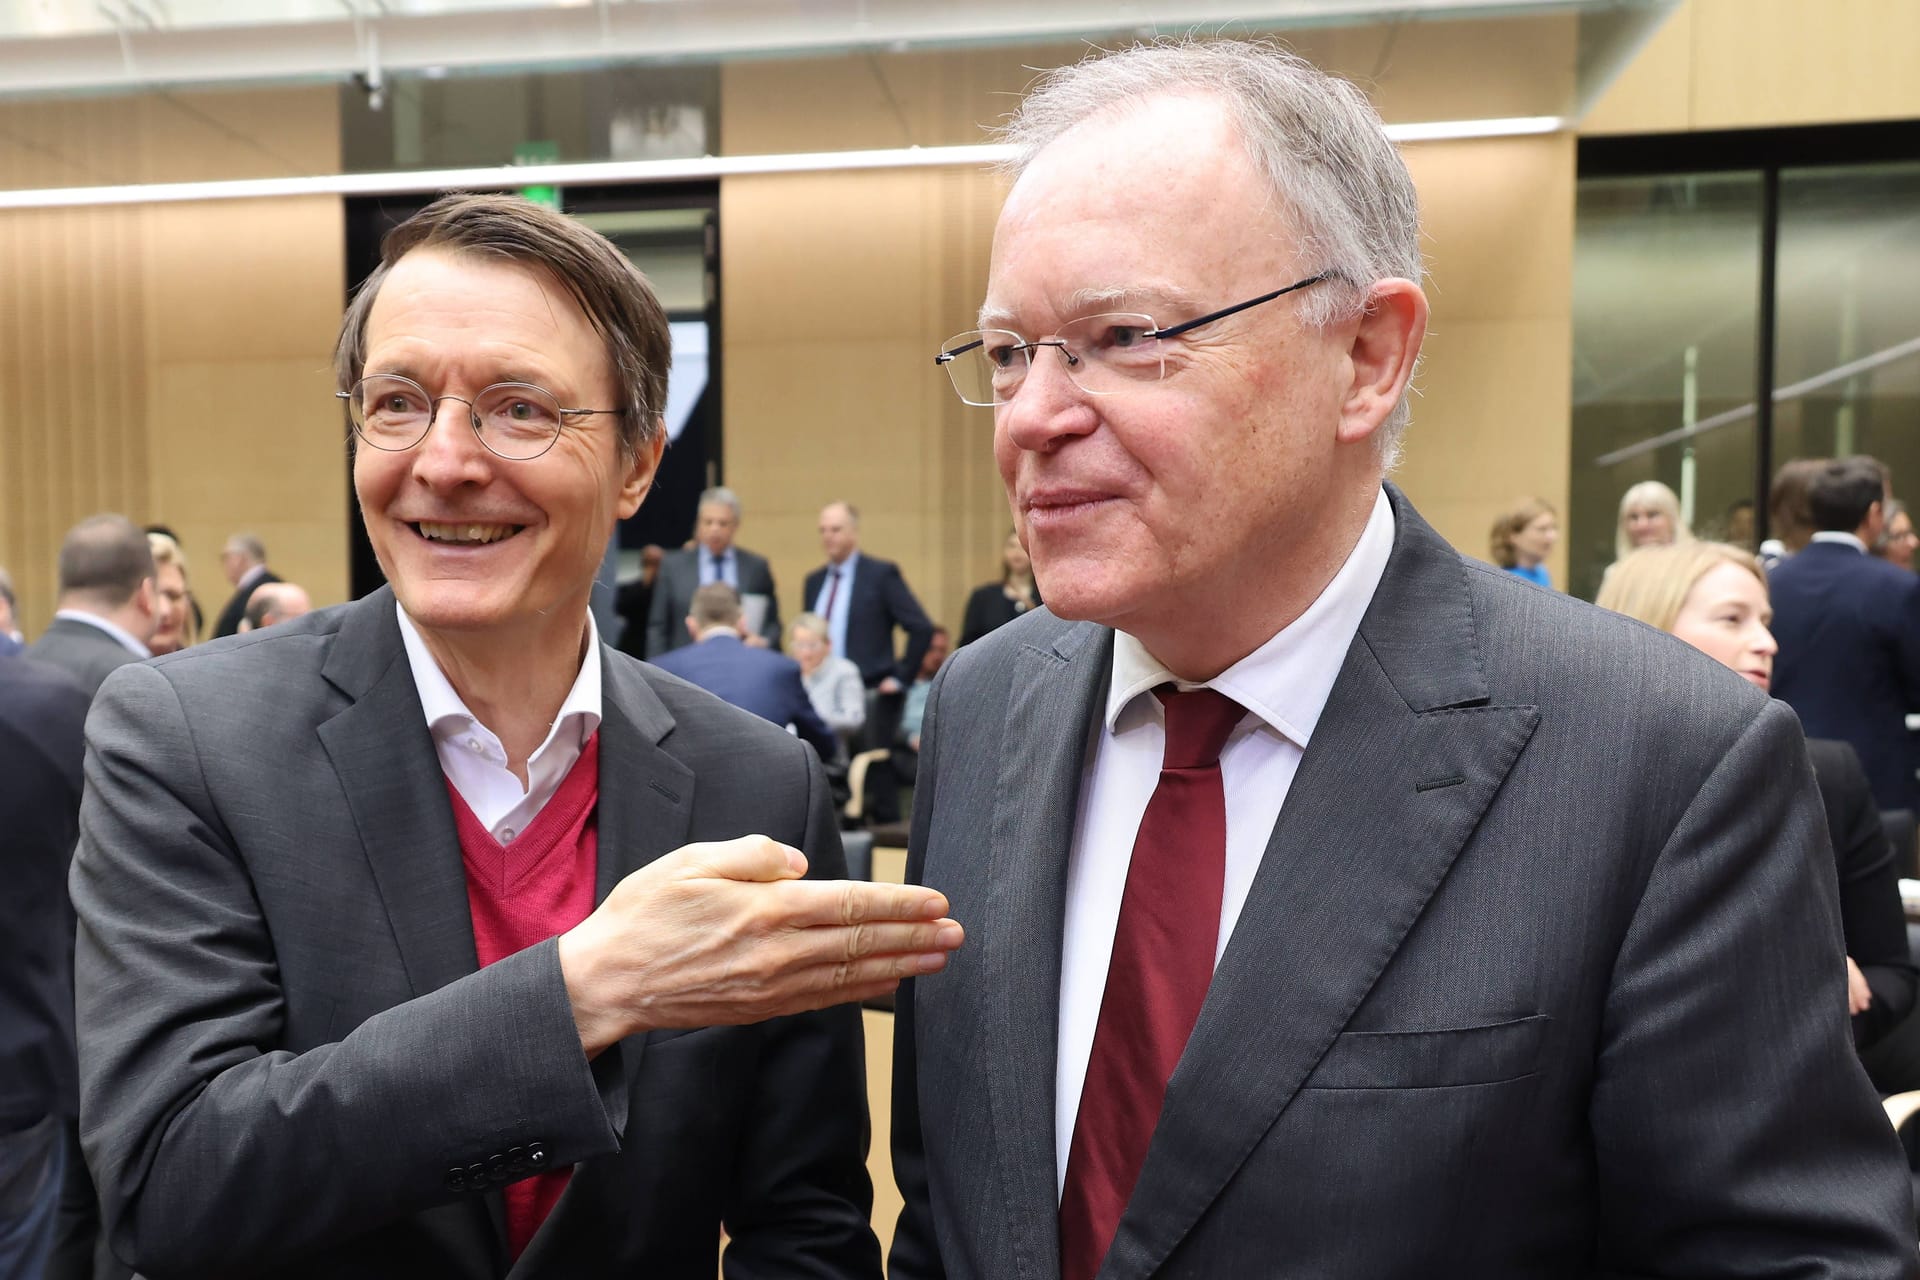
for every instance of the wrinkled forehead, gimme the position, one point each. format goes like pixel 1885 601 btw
pixel 1152 208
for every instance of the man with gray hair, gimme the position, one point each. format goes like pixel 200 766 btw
pixel 713 557
pixel 244 560
pixel 108 604
pixel 1338 906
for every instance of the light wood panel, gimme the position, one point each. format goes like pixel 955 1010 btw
pixel 1742 64
pixel 169 361
pixel 1492 420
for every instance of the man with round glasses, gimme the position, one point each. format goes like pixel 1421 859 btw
pixel 428 936
pixel 1338 906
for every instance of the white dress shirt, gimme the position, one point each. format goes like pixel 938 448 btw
pixel 471 754
pixel 126 638
pixel 1284 686
pixel 1844 539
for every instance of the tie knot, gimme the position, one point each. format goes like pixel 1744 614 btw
pixel 1198 724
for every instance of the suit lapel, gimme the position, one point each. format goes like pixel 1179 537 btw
pixel 1056 694
pixel 1405 759
pixel 383 754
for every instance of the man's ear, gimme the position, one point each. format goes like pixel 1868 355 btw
pixel 1385 347
pixel 693 628
pixel 640 474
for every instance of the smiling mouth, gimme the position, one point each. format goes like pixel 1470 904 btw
pixel 464 534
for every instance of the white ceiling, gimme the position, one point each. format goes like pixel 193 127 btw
pixel 51 46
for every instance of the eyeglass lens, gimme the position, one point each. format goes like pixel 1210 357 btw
pixel 1103 355
pixel 513 419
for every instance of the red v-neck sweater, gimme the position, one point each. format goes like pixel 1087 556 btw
pixel 525 892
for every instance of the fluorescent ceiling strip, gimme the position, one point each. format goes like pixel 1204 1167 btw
pixel 612 172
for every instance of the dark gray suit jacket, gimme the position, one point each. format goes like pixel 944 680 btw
pixel 291 1064
pixel 1540 976
pixel 679 578
pixel 86 653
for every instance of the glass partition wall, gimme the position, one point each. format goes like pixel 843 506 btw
pixel 1740 300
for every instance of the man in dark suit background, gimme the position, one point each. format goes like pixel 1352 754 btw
pixel 108 604
pixel 1337 905
pixel 427 935
pixel 42 711
pixel 720 661
pixel 714 558
pixel 1848 624
pixel 244 561
pixel 864 600
pixel 11 642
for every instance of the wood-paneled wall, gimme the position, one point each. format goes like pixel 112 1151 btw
pixel 1745 64
pixel 170 361
pixel 838 288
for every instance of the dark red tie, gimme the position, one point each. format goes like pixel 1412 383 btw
pixel 1162 962
pixel 833 591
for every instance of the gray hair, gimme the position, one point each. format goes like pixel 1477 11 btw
pixel 6 588
pixel 720 496
pixel 1314 137
pixel 248 545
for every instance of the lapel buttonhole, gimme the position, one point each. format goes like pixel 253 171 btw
pixel 1434 784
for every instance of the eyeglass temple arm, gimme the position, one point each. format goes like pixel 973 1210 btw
pixel 1178 329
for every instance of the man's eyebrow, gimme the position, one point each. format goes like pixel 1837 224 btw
pixel 1166 303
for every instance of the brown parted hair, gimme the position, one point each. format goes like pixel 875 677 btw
pixel 1510 522
pixel 615 296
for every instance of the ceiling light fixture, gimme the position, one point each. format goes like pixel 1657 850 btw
pixel 614 172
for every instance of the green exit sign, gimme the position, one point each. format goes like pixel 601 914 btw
pixel 539 153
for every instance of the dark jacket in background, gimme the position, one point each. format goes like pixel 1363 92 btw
pixel 989 608
pixel 679 578
pixel 229 620
pixel 84 652
pixel 42 713
pixel 757 680
pixel 881 602
pixel 1871 918
pixel 1849 631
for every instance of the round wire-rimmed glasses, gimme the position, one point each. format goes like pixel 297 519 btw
pixel 1105 354
pixel 514 420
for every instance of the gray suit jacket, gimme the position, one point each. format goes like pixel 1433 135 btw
pixel 673 592
pixel 86 653
pixel 1540 975
pixel 292 1064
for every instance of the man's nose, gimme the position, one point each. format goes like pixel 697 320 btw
pixel 451 451
pixel 1049 406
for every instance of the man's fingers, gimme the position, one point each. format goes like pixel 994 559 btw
pixel 752 858
pixel 857 942
pixel 851 902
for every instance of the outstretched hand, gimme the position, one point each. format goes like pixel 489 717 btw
pixel 727 933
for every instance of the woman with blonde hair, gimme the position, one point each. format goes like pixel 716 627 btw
pixel 1714 597
pixel 1649 517
pixel 1523 537
pixel 173 615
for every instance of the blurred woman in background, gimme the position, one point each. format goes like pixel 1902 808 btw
pixel 173 619
pixel 1523 537
pixel 998 603
pixel 833 684
pixel 1714 597
pixel 1649 517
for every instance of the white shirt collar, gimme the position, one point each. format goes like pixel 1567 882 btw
pixel 1846 539
pixel 448 716
pixel 1287 680
pixel 124 636
pixel 250 577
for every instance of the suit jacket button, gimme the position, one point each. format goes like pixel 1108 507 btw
pixel 536 1155
pixel 517 1161
pixel 476 1176
pixel 497 1169
pixel 456 1179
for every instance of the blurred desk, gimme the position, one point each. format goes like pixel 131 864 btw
pixel 886 1196
pixel 889 864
